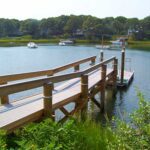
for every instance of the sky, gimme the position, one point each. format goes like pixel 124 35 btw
pixel 38 9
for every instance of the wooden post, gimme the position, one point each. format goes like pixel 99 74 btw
pixel 84 94
pixel 122 64
pixel 76 68
pixel 48 92
pixel 115 68
pixel 103 77
pixel 101 56
pixel 93 61
pixel 4 99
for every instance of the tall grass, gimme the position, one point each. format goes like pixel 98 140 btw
pixel 143 45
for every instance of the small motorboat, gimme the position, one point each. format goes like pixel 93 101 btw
pixel 32 45
pixel 118 44
pixel 66 42
pixel 102 46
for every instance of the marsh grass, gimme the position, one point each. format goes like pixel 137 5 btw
pixel 142 45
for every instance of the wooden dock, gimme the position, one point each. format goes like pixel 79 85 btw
pixel 78 87
pixel 128 76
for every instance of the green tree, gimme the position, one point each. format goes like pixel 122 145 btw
pixel 30 26
pixel 92 27
pixel 119 25
pixel 73 23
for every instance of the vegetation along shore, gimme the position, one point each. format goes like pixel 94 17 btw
pixel 84 135
pixel 82 29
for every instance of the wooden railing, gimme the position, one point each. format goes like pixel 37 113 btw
pixel 7 78
pixel 12 88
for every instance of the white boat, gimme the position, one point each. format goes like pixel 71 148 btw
pixel 32 45
pixel 65 42
pixel 117 45
pixel 102 46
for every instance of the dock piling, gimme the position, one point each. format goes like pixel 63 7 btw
pixel 115 68
pixel 84 94
pixel 76 68
pixel 103 76
pixel 122 64
pixel 4 99
pixel 48 91
pixel 101 55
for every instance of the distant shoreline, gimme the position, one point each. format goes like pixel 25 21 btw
pixel 143 45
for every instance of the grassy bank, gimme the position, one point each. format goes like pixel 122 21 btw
pixel 19 41
pixel 143 45
pixel 87 135
pixel 22 41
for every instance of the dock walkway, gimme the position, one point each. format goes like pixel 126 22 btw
pixel 77 87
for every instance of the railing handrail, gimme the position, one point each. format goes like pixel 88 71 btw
pixel 27 85
pixel 21 76
pixel 90 69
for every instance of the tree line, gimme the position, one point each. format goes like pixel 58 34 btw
pixel 82 27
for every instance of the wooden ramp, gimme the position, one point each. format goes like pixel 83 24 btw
pixel 75 89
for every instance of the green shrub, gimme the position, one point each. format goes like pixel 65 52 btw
pixel 84 135
pixel 136 134
pixel 2 140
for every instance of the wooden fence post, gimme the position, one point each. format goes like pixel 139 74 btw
pixel 48 93
pixel 103 77
pixel 93 61
pixel 76 68
pixel 4 99
pixel 122 65
pixel 84 94
pixel 101 55
pixel 115 69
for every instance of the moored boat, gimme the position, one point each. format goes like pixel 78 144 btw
pixel 117 44
pixel 102 46
pixel 65 42
pixel 32 45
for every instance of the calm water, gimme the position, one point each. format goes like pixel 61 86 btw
pixel 22 59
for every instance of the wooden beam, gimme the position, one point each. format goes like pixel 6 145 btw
pixel 76 68
pixel 64 111
pixel 101 55
pixel 48 92
pixel 97 66
pixel 84 95
pixel 62 68
pixel 14 77
pixel 92 62
pixel 84 88
pixel 27 85
pixel 95 91
pixel 115 68
pixel 122 64
pixel 19 123
pixel 4 99
pixel 96 102
pixel 66 117
pixel 103 76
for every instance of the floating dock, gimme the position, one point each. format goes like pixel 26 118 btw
pixel 128 77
